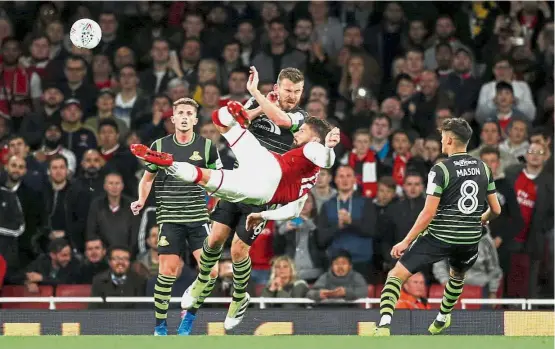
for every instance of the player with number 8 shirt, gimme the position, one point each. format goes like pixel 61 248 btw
pixel 448 227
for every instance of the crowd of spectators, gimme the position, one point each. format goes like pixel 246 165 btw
pixel 385 72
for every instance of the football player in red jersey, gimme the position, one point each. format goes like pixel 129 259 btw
pixel 263 176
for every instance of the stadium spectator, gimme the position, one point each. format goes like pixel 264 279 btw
pixel 231 61
pixel 516 142
pixel 485 272
pixel 156 127
pixel 534 190
pixel 364 162
pixel 55 194
pixel 102 72
pixel 463 83
pixel 445 31
pixel 35 174
pixel 297 239
pixel 380 130
pixel 118 281
pixel 503 71
pixel 95 261
pixel 236 87
pixel 105 105
pixel 86 186
pixel 413 294
pixel 51 147
pixel 505 110
pixel 190 57
pixel 323 191
pixel 75 137
pixel 12 225
pixel 246 35
pixel 444 59
pixel 399 217
pixel 77 87
pixel 284 282
pixel 211 102
pixel 56 267
pixel 129 102
pixel 155 79
pixel 149 258
pixel 491 136
pixel 108 217
pixel 341 281
pixel 348 222
pixel 392 108
pixel 111 40
pixel 208 71
pixel 178 88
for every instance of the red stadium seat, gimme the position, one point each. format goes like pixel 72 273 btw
pixel 371 291
pixel 469 291
pixel 21 291
pixel 378 292
pixel 73 291
pixel 258 288
pixel 3 268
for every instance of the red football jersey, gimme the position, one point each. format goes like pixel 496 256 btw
pixel 298 176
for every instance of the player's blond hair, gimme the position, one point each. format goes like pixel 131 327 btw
pixel 186 101
pixel 292 74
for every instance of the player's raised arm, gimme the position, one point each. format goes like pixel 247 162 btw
pixel 271 108
pixel 286 212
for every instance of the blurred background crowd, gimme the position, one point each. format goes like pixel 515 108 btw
pixel 385 72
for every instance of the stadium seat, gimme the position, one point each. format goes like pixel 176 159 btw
pixel 378 290
pixel 21 291
pixel 72 291
pixel 469 291
pixel 3 268
pixel 371 293
pixel 258 288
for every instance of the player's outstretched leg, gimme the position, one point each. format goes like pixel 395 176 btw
pixel 202 286
pixel 241 298
pixel 453 290
pixel 388 300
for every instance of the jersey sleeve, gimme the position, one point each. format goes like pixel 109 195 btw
pixel 213 160
pixel 491 181
pixel 157 145
pixel 319 154
pixel 297 119
pixel 436 180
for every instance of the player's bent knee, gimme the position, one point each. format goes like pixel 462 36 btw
pixel 400 271
pixel 169 265
pixel 456 274
pixel 239 250
pixel 218 234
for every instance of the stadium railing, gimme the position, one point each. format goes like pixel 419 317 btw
pixel 525 304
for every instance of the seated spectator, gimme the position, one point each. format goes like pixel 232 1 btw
pixel 516 143
pixel 76 86
pixel 505 109
pixel 12 225
pixel 105 105
pixel 413 294
pixel 297 240
pixel 52 146
pixel 386 194
pixel 95 260
pixel 485 272
pixel 491 136
pixel 463 83
pixel 177 88
pixel 237 87
pixel 56 267
pixel 118 281
pixel 130 103
pixel 211 100
pixel 503 71
pixel 348 222
pixel 155 79
pixel 35 176
pixel 392 108
pixel 75 136
pixel 401 144
pixel 284 283
pixel 322 190
pixel 154 125
pixel 340 281
pixel 210 132
pixel 109 217
pixel 149 258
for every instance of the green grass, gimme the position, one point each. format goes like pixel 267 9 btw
pixel 276 342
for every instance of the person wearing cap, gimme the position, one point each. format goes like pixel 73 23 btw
pixel 340 281
pixel 523 100
pixel 55 267
pixel 105 104
pixel 52 146
pixel 75 136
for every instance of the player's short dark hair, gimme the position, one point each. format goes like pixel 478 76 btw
pixel 118 248
pixel 186 101
pixel 292 74
pixel 459 127
pixel 57 157
pixel 321 127
pixel 488 149
pixel 108 122
pixel 388 181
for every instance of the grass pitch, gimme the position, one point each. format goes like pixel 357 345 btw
pixel 276 342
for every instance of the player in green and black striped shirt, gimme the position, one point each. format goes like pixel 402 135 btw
pixel 449 226
pixel 181 208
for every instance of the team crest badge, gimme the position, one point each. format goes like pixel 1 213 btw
pixel 162 242
pixel 196 156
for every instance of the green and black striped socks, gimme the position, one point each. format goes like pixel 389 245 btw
pixel 241 276
pixel 390 295
pixel 205 293
pixel 208 258
pixel 453 290
pixel 162 296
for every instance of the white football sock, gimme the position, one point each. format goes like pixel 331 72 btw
pixel 184 171
pixel 225 117
pixel 233 134
pixel 441 317
pixel 385 320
